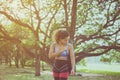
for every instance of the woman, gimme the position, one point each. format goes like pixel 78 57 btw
pixel 60 50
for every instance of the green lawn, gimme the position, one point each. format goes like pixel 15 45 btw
pixel 106 69
pixel 12 73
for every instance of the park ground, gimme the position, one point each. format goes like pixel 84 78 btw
pixel 106 72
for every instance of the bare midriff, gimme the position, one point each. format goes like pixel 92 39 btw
pixel 61 58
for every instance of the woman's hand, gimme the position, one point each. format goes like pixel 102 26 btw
pixel 72 72
pixel 61 49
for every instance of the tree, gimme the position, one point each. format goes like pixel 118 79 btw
pixel 93 25
pixel 102 28
pixel 30 15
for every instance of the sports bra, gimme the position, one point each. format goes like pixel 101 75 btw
pixel 64 53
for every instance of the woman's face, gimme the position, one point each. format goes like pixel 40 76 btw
pixel 64 41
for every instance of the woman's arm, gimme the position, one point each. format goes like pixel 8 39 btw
pixel 52 53
pixel 72 57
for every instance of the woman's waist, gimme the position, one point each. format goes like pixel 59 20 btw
pixel 61 61
pixel 61 58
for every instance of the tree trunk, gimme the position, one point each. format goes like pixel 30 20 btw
pixel 73 20
pixel 22 62
pixel 37 65
pixel 16 62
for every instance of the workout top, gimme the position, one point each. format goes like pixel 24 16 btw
pixel 64 53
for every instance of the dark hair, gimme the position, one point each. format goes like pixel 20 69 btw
pixel 61 34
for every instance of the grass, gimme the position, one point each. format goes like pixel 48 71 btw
pixel 12 73
pixel 105 69
pixel 26 77
pixel 99 72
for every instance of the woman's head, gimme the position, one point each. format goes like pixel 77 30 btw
pixel 61 36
